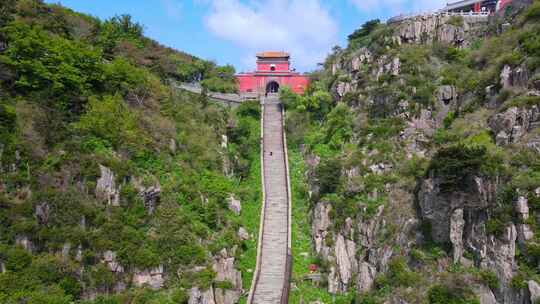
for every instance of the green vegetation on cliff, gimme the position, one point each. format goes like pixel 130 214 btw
pixel 106 170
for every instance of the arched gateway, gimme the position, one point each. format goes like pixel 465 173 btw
pixel 272 87
pixel 273 72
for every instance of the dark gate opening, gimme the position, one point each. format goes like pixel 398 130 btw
pixel 272 87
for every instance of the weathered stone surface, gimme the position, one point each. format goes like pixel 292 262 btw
pixel 152 278
pixel 499 256
pixel 437 206
pixel 343 88
pixel 525 233
pixel 234 205
pixel 243 234
pixel 25 243
pixel 320 224
pixel 522 208
pixel 447 94
pixel 366 277
pixel 534 290
pixel 226 296
pixel 511 125
pixel 109 258
pixel 513 78
pixel 343 262
pixel 65 251
pixel 150 197
pixel 225 272
pixel 457 223
pixel 433 27
pixel 198 297
pixel 42 213
pixel 106 189
pixel 485 295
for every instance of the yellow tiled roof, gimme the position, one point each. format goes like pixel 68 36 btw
pixel 272 54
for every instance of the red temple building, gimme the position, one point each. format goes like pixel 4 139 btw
pixel 273 71
pixel 477 6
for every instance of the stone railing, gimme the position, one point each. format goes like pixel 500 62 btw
pixel 288 267
pixel 257 272
pixel 229 98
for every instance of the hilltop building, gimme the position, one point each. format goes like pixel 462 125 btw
pixel 476 6
pixel 273 71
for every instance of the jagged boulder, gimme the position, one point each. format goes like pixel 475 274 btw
pixel 225 271
pixel 511 125
pixel 514 78
pixel 243 234
pixel 106 189
pixel 234 205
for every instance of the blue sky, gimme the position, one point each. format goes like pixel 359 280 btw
pixel 232 31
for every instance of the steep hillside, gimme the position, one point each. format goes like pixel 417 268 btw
pixel 420 144
pixel 114 186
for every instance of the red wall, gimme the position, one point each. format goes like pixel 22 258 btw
pixel 257 83
pixel 280 67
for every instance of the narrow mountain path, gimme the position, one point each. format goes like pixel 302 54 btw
pixel 272 277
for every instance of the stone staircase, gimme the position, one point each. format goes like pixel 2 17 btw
pixel 271 283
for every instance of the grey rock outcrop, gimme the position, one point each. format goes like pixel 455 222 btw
pixel 243 234
pixel 150 197
pixel 319 227
pixel 153 278
pixel 225 271
pixel 366 277
pixel 24 242
pixel 106 189
pixel 457 223
pixel 343 260
pixel 514 78
pixel 42 213
pixel 437 27
pixel 198 297
pixel 109 258
pixel 534 290
pixel 234 204
pixel 512 125
pixel 485 295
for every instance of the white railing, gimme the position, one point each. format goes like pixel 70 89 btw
pixel 403 17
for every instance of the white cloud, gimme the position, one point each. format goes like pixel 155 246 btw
pixel 302 27
pixel 398 6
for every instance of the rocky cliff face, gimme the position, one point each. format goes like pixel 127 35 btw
pixel 455 30
pixel 483 225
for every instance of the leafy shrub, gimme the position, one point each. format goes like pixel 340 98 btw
pixel 328 175
pixel 455 164
pixel 533 12
pixel 110 111
pixel 53 66
pixel 442 294
pixel 489 277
